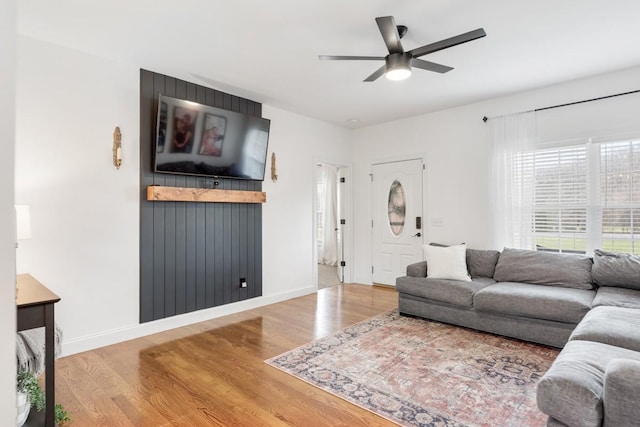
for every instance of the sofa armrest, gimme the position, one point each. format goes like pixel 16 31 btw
pixel 621 391
pixel 417 269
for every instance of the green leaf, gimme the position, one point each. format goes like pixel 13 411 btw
pixel 28 382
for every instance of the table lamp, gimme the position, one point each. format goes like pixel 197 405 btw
pixel 23 223
pixel 23 227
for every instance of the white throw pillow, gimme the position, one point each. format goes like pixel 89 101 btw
pixel 447 262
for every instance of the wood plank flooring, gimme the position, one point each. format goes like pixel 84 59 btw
pixel 213 373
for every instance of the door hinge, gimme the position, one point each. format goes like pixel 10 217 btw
pixel 371 223
pixel 371 177
pixel 372 269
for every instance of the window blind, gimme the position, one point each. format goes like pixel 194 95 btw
pixel 620 196
pixel 585 196
pixel 560 199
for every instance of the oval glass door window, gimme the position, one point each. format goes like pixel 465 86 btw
pixel 397 208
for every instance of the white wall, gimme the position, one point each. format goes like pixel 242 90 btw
pixel 456 144
pixel 85 212
pixel 7 215
pixel 287 232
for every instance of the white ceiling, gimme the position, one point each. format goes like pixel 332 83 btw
pixel 268 50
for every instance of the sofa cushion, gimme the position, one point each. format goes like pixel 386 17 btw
pixel 544 268
pixel 447 262
pixel 454 292
pixel 616 269
pixel 571 390
pixel 617 297
pixel 539 302
pixel 482 263
pixel 610 325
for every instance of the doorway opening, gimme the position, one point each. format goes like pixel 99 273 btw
pixel 331 224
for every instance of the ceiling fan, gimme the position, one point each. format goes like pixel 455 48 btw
pixel 398 63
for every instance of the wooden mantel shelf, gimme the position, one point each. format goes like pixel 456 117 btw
pixel 156 193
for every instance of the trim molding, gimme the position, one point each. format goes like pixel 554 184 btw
pixel 125 333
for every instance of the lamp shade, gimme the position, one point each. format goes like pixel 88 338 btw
pixel 23 222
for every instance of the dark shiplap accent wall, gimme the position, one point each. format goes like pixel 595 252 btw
pixel 192 255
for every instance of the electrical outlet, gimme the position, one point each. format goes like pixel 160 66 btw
pixel 243 282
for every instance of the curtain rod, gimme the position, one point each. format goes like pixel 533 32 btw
pixel 485 118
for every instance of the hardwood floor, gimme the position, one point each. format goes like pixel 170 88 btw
pixel 213 373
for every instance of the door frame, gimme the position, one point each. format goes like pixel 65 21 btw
pixel 348 217
pixel 394 159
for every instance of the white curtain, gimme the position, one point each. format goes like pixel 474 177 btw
pixel 513 158
pixel 328 204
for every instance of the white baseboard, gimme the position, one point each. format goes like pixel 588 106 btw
pixel 113 336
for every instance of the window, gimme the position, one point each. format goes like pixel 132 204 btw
pixel 620 196
pixel 397 208
pixel 586 197
pixel 560 199
pixel 320 205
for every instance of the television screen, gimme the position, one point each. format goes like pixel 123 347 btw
pixel 195 139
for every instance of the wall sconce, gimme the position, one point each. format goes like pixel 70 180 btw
pixel 274 171
pixel 117 148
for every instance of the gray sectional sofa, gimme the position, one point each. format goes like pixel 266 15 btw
pixel 590 307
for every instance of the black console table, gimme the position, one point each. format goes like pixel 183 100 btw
pixel 35 309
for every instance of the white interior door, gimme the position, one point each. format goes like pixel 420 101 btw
pixel 397 218
pixel 342 222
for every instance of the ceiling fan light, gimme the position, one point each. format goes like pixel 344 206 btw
pixel 398 74
pixel 398 66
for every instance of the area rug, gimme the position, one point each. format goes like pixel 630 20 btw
pixel 416 372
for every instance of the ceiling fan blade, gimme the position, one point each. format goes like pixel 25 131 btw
pixel 377 73
pixel 389 31
pixel 430 66
pixel 446 43
pixel 350 58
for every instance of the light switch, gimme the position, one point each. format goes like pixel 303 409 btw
pixel 437 222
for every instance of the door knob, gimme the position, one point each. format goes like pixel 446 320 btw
pixel 417 235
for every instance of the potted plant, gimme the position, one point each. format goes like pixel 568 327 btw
pixel 31 395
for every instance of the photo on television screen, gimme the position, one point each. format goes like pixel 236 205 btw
pixel 183 130
pixel 213 135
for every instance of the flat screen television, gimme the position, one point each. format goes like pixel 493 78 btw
pixel 195 139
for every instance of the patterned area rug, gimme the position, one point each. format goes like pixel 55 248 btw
pixel 421 373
